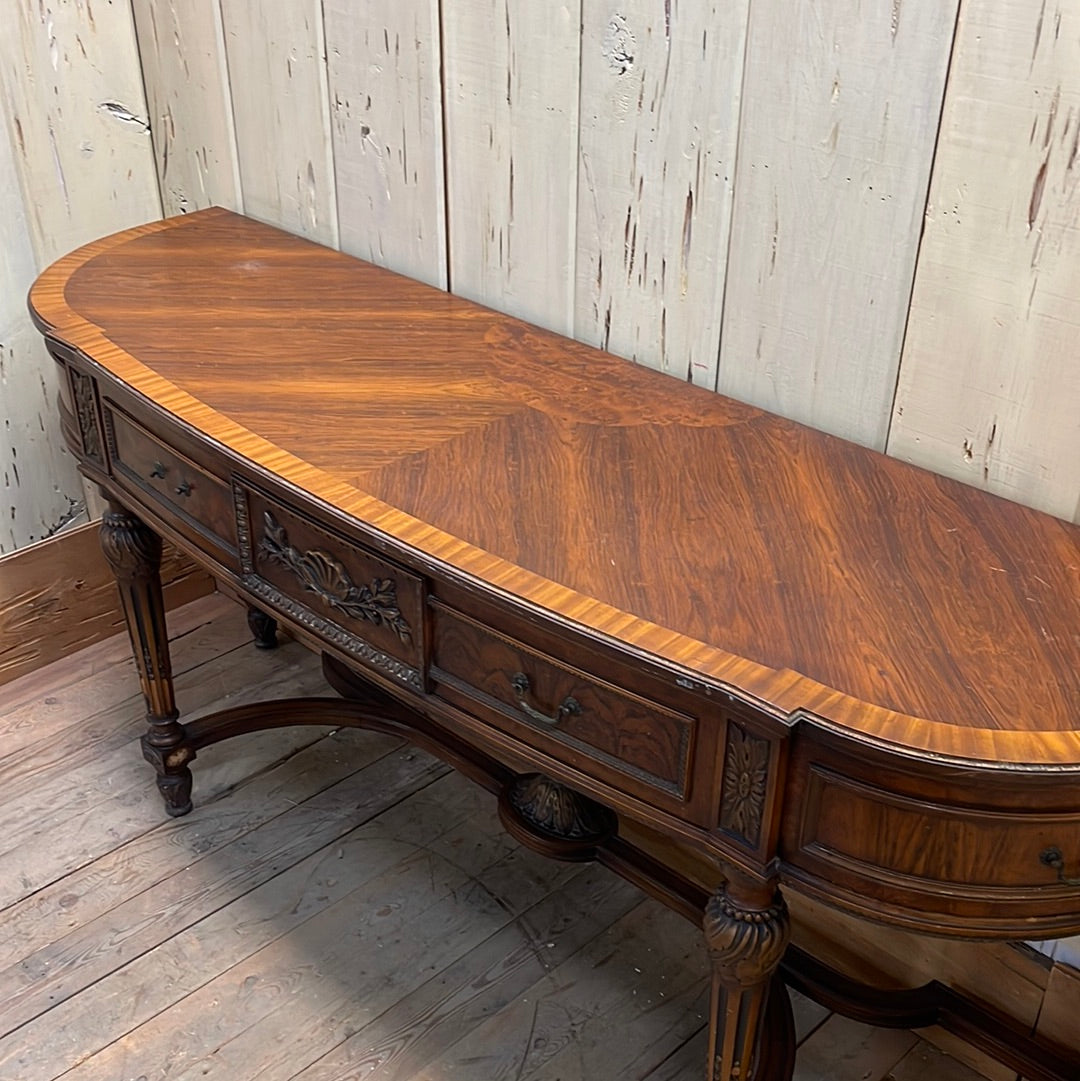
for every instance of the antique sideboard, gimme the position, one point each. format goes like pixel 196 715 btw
pixel 608 596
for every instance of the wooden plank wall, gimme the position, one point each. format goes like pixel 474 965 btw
pixel 76 161
pixel 734 193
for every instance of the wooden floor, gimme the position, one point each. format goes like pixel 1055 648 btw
pixel 338 906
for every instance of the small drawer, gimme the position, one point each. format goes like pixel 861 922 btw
pixel 367 606
pixel 554 705
pixel 202 501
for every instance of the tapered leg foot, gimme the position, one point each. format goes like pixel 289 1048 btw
pixel 133 552
pixel 263 628
pixel 746 930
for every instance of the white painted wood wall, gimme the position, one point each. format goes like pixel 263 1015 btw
pixel 862 214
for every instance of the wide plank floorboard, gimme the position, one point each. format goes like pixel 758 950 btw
pixel 339 906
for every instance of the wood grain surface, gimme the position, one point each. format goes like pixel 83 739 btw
pixel 812 572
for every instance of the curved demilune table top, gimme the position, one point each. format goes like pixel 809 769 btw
pixel 805 572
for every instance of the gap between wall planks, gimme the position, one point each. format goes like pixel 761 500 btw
pixel 988 391
pixel 58 596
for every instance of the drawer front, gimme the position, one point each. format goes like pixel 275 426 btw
pixel 554 705
pixel 922 844
pixel 144 462
pixel 953 848
pixel 367 606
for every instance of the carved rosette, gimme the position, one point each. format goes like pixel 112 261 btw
pixel 746 944
pixel 322 574
pixel 82 387
pixel 746 777
pixel 559 811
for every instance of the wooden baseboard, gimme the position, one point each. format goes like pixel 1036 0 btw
pixel 59 596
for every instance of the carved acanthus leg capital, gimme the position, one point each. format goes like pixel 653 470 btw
pixel 746 944
pixel 746 939
pixel 133 552
pixel 131 549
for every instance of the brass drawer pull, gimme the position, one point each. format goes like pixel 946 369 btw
pixel 184 488
pixel 1052 857
pixel 158 471
pixel 522 687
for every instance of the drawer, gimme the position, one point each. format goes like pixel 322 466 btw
pixel 557 707
pixel 942 848
pixel 366 605
pixel 145 463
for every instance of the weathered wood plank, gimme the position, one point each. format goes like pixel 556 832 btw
pixel 387 132
pixel 157 910
pixel 840 112
pixel 415 949
pixel 512 150
pixel 277 80
pixel 76 688
pixel 39 487
pixel 76 113
pixel 70 76
pixel 688 1062
pixel 1058 1018
pixel 73 818
pixel 182 53
pixel 989 388
pixel 356 911
pixel 622 982
pixel 660 88
pixel 423 1025
pixel 315 778
pixel 924 1061
pixel 44 756
pixel 59 596
pixel 46 764
pixel 844 1050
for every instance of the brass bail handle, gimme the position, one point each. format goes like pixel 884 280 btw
pixel 1053 857
pixel 520 682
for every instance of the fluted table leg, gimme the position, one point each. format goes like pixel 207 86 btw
pixel 747 928
pixel 133 552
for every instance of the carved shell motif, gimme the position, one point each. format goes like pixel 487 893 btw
pixel 321 574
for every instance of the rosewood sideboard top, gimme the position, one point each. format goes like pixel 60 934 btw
pixel 811 662
pixel 803 570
